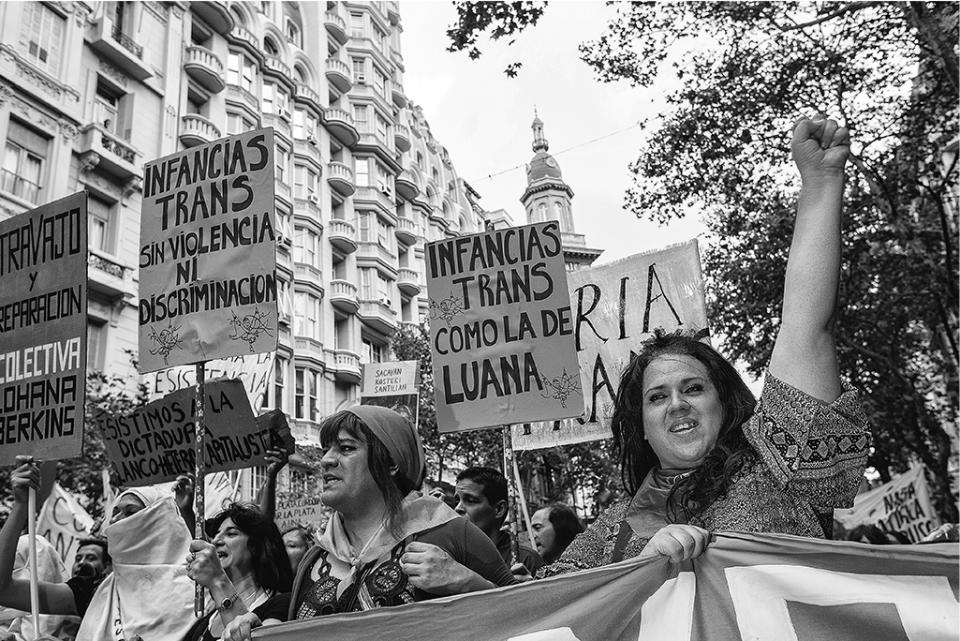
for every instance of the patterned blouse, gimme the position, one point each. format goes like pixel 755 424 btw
pixel 810 457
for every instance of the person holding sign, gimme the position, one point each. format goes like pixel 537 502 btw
pixel 385 544
pixel 699 453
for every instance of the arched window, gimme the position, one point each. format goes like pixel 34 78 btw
pixel 270 46
pixel 239 17
pixel 541 215
pixel 300 74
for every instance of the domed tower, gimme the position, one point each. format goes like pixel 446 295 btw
pixel 547 197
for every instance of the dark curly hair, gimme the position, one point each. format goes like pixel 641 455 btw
pixel 566 526
pixel 271 565
pixel 711 480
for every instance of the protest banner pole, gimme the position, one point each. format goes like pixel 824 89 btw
pixel 523 503
pixel 508 462
pixel 199 485
pixel 32 551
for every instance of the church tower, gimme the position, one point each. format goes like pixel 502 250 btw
pixel 548 197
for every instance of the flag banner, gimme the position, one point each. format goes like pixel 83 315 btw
pixel 501 330
pixel 394 385
pixel 745 587
pixel 302 512
pixel 253 369
pixel 208 253
pixel 43 330
pixel 616 307
pixel 63 522
pixel 156 442
pixel 902 505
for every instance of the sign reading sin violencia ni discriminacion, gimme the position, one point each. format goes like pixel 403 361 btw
pixel 501 331
pixel 156 443
pixel 208 269
pixel 43 330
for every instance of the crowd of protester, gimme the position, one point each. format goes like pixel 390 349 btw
pixel 697 452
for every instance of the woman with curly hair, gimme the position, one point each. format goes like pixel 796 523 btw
pixel 698 453
pixel 244 567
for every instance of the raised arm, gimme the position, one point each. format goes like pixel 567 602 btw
pixel 804 354
pixel 267 497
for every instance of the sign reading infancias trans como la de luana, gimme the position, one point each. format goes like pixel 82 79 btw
pixel 43 330
pixel 208 268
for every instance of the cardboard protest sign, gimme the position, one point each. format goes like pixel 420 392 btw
pixel 208 270
pixel 616 307
pixel 254 370
pixel 43 330
pixel 156 443
pixel 63 522
pixel 394 385
pixel 902 505
pixel 501 330
pixel 304 512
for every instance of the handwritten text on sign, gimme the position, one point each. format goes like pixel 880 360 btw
pixel 617 306
pixel 156 443
pixel 501 330
pixel 254 370
pixel 208 273
pixel 43 330
pixel 394 385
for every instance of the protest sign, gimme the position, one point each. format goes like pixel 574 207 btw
pixel 394 385
pixel 208 272
pixel 744 587
pixel 63 522
pixel 902 505
pixel 501 331
pixel 303 512
pixel 253 370
pixel 156 443
pixel 617 306
pixel 43 330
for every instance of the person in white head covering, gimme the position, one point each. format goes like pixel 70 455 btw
pixel 147 596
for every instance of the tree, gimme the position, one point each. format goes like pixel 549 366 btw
pixel 889 72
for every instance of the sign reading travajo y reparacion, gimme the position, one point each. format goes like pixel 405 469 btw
pixel 208 272
pixel 501 331
pixel 43 330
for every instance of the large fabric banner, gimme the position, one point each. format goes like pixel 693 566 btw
pixel 63 522
pixel 745 587
pixel 208 254
pixel 902 505
pixel 43 330
pixel 617 306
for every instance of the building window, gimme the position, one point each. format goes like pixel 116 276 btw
pixel 367 283
pixel 279 381
pixel 306 247
pixel 371 352
pixel 238 124
pixel 24 162
pixel 305 181
pixel 363 218
pixel 306 311
pixel 306 394
pixel 380 37
pixel 41 36
pixel 384 236
pixel 359 69
pixel 304 125
pixel 383 130
pixel 100 233
pixel 356 25
pixel 241 71
pixel 360 118
pixel 282 162
pixel 270 47
pixel 293 33
pixel 96 343
pixel 361 171
pixel 384 178
pixel 380 83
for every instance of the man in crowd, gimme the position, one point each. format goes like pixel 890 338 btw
pixel 92 559
pixel 481 496
pixel 554 528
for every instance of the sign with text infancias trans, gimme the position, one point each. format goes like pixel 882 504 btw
pixel 501 331
pixel 43 330
pixel 208 263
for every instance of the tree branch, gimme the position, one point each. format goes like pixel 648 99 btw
pixel 847 8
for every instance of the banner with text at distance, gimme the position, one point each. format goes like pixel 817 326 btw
pixel 902 505
pixel 156 443
pixel 616 307
pixel 303 512
pixel 43 330
pixel 208 264
pixel 744 587
pixel 63 522
pixel 501 330
pixel 395 385
pixel 253 369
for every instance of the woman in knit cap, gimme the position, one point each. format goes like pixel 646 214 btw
pixel 385 544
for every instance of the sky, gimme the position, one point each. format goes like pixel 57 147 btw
pixel 484 118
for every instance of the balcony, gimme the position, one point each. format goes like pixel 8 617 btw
pixel 396 92
pixel 109 277
pixel 108 152
pixel 197 130
pixel 336 27
pixel 373 254
pixel 343 296
pixel 244 37
pixel 109 40
pixel 214 14
pixel 345 366
pixel 401 137
pixel 340 125
pixel 306 93
pixel 393 12
pixel 342 235
pixel 407 187
pixel 309 349
pixel 276 67
pixel 406 231
pixel 408 281
pixel 205 67
pixel 378 315
pixel 338 73
pixel 340 178
pixel 379 197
